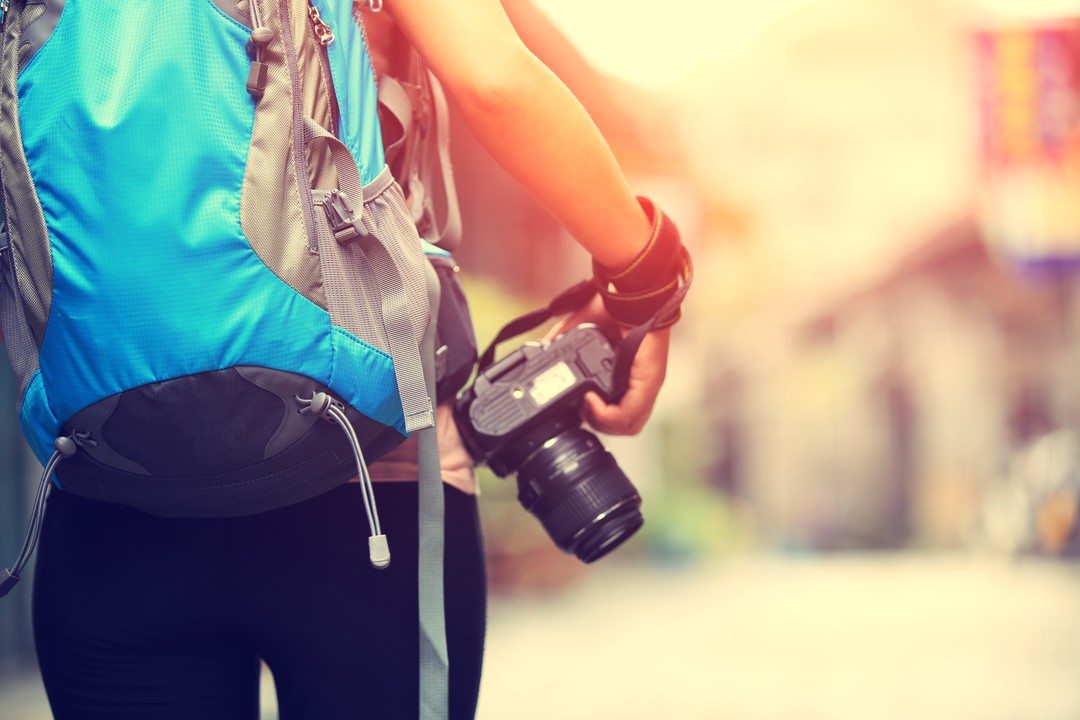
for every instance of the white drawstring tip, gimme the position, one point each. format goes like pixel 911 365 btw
pixel 379 551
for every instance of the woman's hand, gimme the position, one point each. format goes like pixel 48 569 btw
pixel 647 373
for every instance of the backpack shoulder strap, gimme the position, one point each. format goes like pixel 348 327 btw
pixel 420 157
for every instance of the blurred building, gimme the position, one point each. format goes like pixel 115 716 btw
pixel 891 413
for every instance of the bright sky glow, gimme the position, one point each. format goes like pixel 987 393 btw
pixel 1020 9
pixel 655 43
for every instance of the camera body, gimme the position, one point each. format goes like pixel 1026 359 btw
pixel 535 387
pixel 522 417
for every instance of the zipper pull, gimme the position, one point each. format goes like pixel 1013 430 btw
pixel 256 82
pixel 322 31
pixel 3 12
pixel 260 38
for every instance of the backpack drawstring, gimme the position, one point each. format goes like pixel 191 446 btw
pixel 65 447
pixel 322 405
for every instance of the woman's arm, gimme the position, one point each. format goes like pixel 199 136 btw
pixel 528 120
pixel 536 129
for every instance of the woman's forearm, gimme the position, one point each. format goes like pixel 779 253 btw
pixel 537 130
pixel 530 123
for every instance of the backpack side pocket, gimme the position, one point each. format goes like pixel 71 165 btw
pixel 455 338
pixel 21 347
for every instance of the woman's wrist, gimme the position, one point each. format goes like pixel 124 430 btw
pixel 650 286
pixel 626 237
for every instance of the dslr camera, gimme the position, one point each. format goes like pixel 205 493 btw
pixel 522 417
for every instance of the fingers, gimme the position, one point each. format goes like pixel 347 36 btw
pixel 626 418
pixel 629 415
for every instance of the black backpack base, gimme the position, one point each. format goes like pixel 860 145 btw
pixel 223 443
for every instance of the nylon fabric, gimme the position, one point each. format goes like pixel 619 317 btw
pixel 270 203
pixel 40 18
pixel 39 423
pixel 26 221
pixel 354 85
pixel 159 322
pixel 313 71
pixel 420 156
pixel 289 27
pixel 353 305
pixel 234 10
pixel 440 212
pixel 362 370
pixel 390 260
pixel 396 99
pixel 370 297
pixel 353 301
pixel 406 308
pixel 21 348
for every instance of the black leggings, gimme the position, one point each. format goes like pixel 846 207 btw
pixel 137 616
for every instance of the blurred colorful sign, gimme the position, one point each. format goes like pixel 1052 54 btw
pixel 1029 95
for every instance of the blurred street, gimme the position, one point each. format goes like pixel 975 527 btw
pixel 867 637
pixel 863 473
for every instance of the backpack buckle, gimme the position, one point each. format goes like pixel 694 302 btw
pixel 345 223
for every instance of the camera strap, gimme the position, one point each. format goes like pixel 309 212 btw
pixel 565 302
pixel 628 346
pixel 645 295
pixel 576 297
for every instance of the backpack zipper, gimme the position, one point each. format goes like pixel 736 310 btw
pixel 307 206
pixel 323 32
pixel 260 39
pixel 325 35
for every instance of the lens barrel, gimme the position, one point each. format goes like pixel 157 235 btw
pixel 580 495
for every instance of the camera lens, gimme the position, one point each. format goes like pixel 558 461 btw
pixel 580 495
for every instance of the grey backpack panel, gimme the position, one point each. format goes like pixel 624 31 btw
pixel 25 219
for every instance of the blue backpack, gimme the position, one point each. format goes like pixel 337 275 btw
pixel 207 265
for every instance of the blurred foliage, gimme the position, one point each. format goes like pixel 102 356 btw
pixel 492 305
pixel 685 519
pixel 685 523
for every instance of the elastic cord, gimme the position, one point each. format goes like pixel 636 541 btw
pixel 65 448
pixel 367 489
pixel 323 405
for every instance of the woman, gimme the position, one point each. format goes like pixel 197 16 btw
pixel 175 624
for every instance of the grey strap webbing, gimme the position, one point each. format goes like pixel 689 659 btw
pixel 344 163
pixel 432 194
pixel 402 102
pixel 397 323
pixel 434 659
